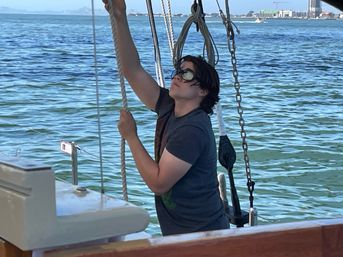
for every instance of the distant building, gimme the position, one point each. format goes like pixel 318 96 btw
pixel 285 14
pixel 301 15
pixel 314 8
pixel 268 14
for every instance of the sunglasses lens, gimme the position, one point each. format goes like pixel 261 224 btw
pixel 187 75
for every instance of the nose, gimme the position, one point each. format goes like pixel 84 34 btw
pixel 177 76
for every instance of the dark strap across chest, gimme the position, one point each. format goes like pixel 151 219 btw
pixel 159 132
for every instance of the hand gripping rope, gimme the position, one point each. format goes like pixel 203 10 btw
pixel 124 99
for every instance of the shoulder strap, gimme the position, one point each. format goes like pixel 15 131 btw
pixel 159 132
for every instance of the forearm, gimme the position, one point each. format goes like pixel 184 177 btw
pixel 147 167
pixel 145 87
pixel 127 50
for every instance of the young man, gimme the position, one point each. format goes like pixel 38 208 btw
pixel 183 175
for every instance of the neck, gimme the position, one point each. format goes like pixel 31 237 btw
pixel 182 109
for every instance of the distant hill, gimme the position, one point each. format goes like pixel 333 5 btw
pixel 81 11
pixel 4 9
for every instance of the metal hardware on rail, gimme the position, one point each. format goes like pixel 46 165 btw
pixel 71 149
pixel 74 163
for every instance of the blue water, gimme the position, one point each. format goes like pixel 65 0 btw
pixel 291 74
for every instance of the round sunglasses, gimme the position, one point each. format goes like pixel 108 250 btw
pixel 186 74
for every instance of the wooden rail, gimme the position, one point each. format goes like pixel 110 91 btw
pixel 9 250
pixel 317 238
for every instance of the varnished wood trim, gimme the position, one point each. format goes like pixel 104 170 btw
pixel 9 250
pixel 320 238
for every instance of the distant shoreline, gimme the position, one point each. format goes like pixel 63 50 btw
pixel 85 11
pixel 243 17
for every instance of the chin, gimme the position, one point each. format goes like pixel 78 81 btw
pixel 171 94
pixel 171 90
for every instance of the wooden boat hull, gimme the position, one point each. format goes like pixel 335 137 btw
pixel 317 238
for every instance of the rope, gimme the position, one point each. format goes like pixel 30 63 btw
pixel 198 18
pixel 171 29
pixel 124 100
pixel 97 100
pixel 158 65
pixel 169 26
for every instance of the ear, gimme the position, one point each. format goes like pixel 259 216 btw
pixel 203 92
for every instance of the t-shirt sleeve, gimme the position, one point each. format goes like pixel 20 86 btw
pixel 164 102
pixel 187 143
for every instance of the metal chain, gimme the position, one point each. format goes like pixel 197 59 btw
pixel 250 183
pixel 232 49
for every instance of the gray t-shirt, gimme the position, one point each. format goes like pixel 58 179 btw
pixel 193 203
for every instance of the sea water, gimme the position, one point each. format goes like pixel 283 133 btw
pixel 291 76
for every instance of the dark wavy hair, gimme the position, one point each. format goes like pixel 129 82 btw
pixel 208 78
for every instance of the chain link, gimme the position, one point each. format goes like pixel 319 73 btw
pixel 237 86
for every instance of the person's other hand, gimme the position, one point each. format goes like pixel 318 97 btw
pixel 127 125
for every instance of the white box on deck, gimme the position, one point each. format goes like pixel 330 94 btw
pixel 38 212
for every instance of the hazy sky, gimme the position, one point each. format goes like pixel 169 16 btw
pixel 236 6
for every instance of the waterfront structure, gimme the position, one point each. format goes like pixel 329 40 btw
pixel 314 8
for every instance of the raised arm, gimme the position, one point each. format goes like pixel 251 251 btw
pixel 143 84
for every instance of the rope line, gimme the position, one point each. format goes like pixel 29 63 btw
pixel 158 65
pixel 168 25
pixel 97 99
pixel 171 29
pixel 124 99
pixel 197 17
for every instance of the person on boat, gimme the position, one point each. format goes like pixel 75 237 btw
pixel 183 175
